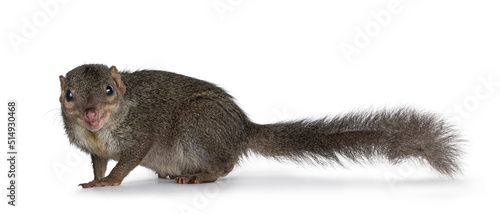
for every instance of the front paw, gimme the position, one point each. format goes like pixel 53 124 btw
pixel 101 183
pixel 89 184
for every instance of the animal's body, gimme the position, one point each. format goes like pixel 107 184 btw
pixel 192 131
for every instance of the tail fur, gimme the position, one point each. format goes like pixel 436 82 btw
pixel 395 135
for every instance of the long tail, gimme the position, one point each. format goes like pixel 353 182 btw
pixel 392 134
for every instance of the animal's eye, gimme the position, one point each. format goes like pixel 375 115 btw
pixel 109 90
pixel 69 96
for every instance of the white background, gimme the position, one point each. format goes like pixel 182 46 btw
pixel 281 60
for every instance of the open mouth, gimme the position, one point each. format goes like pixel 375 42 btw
pixel 93 120
pixel 94 126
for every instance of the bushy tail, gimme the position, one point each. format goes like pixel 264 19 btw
pixel 392 134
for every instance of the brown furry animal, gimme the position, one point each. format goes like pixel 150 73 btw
pixel 193 131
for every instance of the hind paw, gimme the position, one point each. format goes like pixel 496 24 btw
pixel 188 180
pixel 196 178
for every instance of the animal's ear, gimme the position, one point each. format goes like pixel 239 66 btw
pixel 118 80
pixel 61 79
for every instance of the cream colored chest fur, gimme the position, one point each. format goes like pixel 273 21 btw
pixel 101 142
